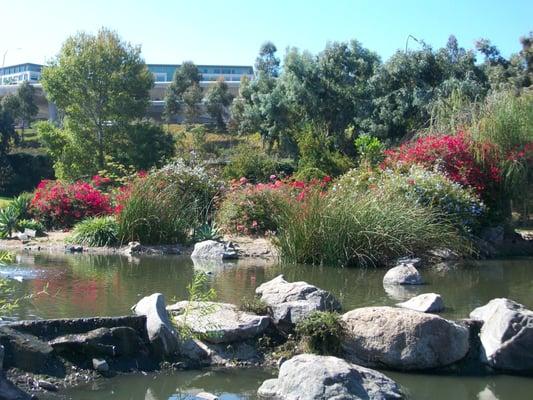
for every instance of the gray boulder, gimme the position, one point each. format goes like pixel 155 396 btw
pixel 403 274
pixel 162 335
pixel 427 303
pixel 8 391
pixel 402 339
pixel 293 301
pixel 213 250
pixel 313 377
pixel 100 365
pixel 506 335
pixel 218 322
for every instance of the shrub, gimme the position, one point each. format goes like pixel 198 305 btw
pixel 207 231
pixel 321 333
pixel 309 173
pixel 166 205
pixel 8 221
pixel 253 163
pixel 370 149
pixel 21 205
pixel 367 228
pixel 30 224
pixel 459 204
pixel 22 171
pixel 96 232
pixel 254 305
pixel 60 204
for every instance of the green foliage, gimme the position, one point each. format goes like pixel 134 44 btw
pixel 96 232
pixel 100 83
pixel 30 224
pixel 254 164
pixel 8 221
pixel 21 171
pixel 192 98
pixel 167 205
pixel 307 174
pixel 217 99
pixel 21 205
pixel 207 231
pixel 255 305
pixel 370 149
pixel 321 333
pixel 367 228
pixel 8 135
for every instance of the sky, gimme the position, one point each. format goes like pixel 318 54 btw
pixel 231 31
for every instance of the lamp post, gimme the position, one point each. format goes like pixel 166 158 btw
pixel 407 41
pixel 5 53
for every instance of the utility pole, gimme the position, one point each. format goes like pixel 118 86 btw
pixel 407 41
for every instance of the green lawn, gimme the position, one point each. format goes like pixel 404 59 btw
pixel 4 201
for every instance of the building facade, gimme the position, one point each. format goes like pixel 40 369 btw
pixel 15 74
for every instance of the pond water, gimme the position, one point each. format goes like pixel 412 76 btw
pixel 79 285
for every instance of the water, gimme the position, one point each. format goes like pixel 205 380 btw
pixel 87 285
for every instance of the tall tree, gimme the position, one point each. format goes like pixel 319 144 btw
pixel 192 98
pixel 217 100
pixel 101 83
pixel 186 76
pixel 27 108
pixel 267 62
pixel 7 131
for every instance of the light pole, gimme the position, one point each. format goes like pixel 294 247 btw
pixel 407 41
pixel 5 53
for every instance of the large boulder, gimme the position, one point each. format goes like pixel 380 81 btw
pixel 112 342
pixel 506 335
pixel 218 322
pixel 162 335
pixel 8 391
pixel 213 250
pixel 403 274
pixel 313 377
pixel 293 301
pixel 402 339
pixel 427 303
pixel 28 353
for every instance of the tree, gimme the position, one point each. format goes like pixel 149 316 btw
pixel 217 101
pixel 192 98
pixel 267 63
pixel 27 107
pixel 101 83
pixel 186 76
pixel 7 130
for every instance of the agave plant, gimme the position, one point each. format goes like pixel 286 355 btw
pixel 208 231
pixel 21 205
pixel 8 221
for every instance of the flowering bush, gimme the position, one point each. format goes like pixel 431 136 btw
pixel 165 205
pixel 455 155
pixel 60 204
pixel 428 188
pixel 255 209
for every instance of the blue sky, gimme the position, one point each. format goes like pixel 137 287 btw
pixel 231 31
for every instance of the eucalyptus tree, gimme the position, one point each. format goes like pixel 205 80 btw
pixel 217 99
pixel 185 78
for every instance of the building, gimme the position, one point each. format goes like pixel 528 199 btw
pixel 13 75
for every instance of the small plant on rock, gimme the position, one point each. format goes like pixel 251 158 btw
pixel 255 305
pixel 321 332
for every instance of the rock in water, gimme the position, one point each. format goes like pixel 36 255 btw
pixel 427 303
pixel 293 301
pixel 313 377
pixel 213 250
pixel 8 391
pixel 100 365
pixel 403 274
pixel 402 339
pixel 162 335
pixel 218 322
pixel 506 335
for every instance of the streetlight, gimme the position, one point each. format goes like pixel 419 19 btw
pixel 5 53
pixel 407 41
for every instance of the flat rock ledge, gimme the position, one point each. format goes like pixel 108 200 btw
pixel 313 377
pixel 218 322
pixel 506 335
pixel 402 339
pixel 426 303
pixel 293 301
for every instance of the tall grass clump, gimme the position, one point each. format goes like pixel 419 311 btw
pixel 166 205
pixel 96 232
pixel 364 229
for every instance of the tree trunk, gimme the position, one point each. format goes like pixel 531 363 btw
pixel 101 161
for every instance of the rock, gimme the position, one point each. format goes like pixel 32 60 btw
pixel 218 322
pixel 414 261
pixel 506 335
pixel 22 236
pixel 213 250
pixel 426 303
pixel 313 377
pixel 133 247
pixel 444 254
pixel 403 274
pixel 100 365
pixel 47 385
pixel 206 396
pixel 161 333
pixel 28 353
pixel 493 235
pixel 119 341
pixel 292 302
pixel 74 248
pixel 402 339
pixel 8 391
pixel 31 233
